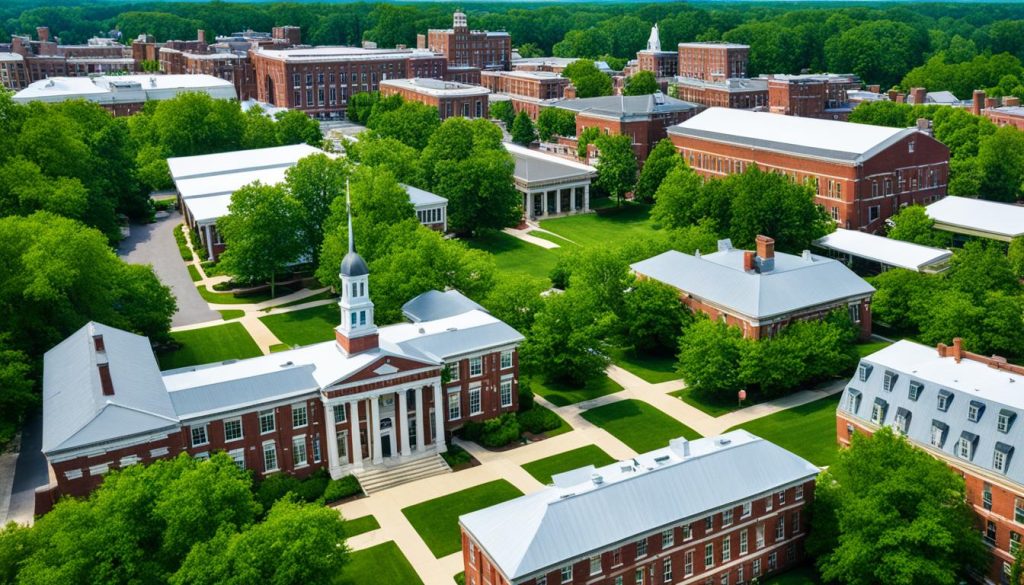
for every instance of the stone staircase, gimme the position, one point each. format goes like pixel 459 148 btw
pixel 382 477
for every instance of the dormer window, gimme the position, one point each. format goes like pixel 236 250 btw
pixel 863 371
pixel 945 399
pixel 1006 418
pixel 915 389
pixel 975 410
pixel 939 430
pixel 889 381
pixel 878 411
pixel 1001 457
pixel 853 400
pixel 901 423
pixel 965 446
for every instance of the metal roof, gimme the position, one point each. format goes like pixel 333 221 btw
pixel 76 413
pixel 221 163
pixel 124 88
pixel 967 381
pixel 796 283
pixel 622 107
pixel 589 509
pixel 434 304
pixel 420 198
pixel 884 250
pixel 287 381
pixel 812 137
pixel 536 168
pixel 1001 221
pixel 436 87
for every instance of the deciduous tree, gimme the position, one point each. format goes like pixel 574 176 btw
pixel 616 167
pixel 641 83
pixel 523 132
pixel 912 224
pixel 660 161
pixel 553 122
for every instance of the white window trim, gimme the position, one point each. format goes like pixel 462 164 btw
pixel 277 463
pixel 241 429
pixel 300 440
pixel 206 435
pixel 305 408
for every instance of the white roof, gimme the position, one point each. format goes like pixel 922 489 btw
pixel 885 250
pixel 589 510
pixel 186 167
pixel 207 210
pixel 1002 221
pixel 11 57
pixel 229 182
pixel 420 198
pixel 436 87
pixel 124 88
pixel 796 283
pixel 830 139
pixel 533 167
pixel 342 53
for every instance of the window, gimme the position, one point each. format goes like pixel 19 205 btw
pixel 855 313
pixel 506 393
pixel 986 496
pixel 506 359
pixel 129 460
pixel 965 447
pixel 756 569
pixel 1001 457
pixel 309 79
pixel 1006 420
pixel 768 502
pixel 269 457
pixel 299 416
pixel 668 538
pixel 566 573
pixel 316 448
pixel 474 401
pixel 199 436
pixel 709 555
pixel 476 366
pixel 1014 542
pixel 726 549
pixel 641 548
pixel 938 433
pixel 878 411
pixel 910 146
pixel 795 520
pixel 727 518
pixel 687 531
pixel 853 401
pixel 340 413
pixel 616 557
pixel 595 565
pixel 267 421
pixel 873 212
pixel 759 542
pixel 945 399
pixel 232 429
pixel 782 497
pixel 990 532
pixel 746 509
pixel 709 524
pixel 1018 510
pixel 666 570
pixel 743 542
pixel 542 580
pixel 638 576
pixel 974 410
pixel 454 406
pixel 915 389
pixel 799 493
pixel 780 528
pixel 889 381
pixel 299 457
pixel 688 563
pixel 238 455
pixel 901 422
pixel 453 371
pixel 863 371
pixel 739 574
pixel 772 561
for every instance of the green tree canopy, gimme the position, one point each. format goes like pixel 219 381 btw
pixel 660 161
pixel 503 110
pixel 641 83
pixel 653 317
pixel 912 224
pixel 588 79
pixel 566 340
pixel 523 132
pixel 616 167
pixel 553 122
pixel 315 182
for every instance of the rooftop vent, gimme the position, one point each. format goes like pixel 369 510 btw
pixel 662 459
pixel 806 256
pixel 422 331
pixel 723 442
pixel 105 381
pixel 597 479
pixel 724 245
pixel 97 341
pixel 288 364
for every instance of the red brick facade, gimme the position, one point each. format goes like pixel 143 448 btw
pixel 645 132
pixel 453 104
pixel 660 63
pixel 713 61
pixel 712 95
pixel 463 47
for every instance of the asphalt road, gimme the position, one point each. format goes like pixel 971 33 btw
pixel 30 472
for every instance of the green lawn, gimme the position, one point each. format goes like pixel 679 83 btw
pixel 591 229
pixel 798 576
pixel 279 347
pixel 437 520
pixel 227 298
pixel 516 256
pixel 208 345
pixel 709 406
pixel 561 394
pixel 306 326
pixel 543 469
pixel 229 314
pixel 320 296
pixel 193 273
pixel 639 425
pixel 361 525
pixel 869 347
pixel 652 368
pixel 383 563
pixel 808 430
pixel 563 428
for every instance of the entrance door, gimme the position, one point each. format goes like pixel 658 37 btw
pixel 412 433
pixel 343 448
pixel 385 437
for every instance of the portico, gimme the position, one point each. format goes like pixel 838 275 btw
pixel 550 185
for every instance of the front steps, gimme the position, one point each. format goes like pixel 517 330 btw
pixel 382 477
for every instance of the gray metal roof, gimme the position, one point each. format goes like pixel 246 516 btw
pixel 534 168
pixel 75 411
pixel 579 516
pixel 634 106
pixel 354 265
pixel 446 344
pixel 797 282
pixel 967 382
pixel 289 381
pixel 435 304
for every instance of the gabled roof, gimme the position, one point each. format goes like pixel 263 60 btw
pixel 204 165
pixel 78 414
pixel 796 283
pixel 592 509
pixel 435 304
pixel 536 168
pixel 626 107
pixel 884 250
pixel 810 137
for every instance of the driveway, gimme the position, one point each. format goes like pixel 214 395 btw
pixel 30 472
pixel 154 244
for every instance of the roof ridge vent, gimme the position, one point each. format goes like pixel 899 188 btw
pixel 807 256
pixel 288 364
pixel 597 478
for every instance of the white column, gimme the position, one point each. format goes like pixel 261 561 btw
pixel 439 409
pixel 332 441
pixel 209 240
pixel 357 439
pixel 419 419
pixel 403 422
pixel 558 200
pixel 586 198
pixel 544 203
pixel 375 429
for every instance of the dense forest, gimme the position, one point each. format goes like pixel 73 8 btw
pixel 881 42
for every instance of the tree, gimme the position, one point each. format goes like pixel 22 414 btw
pixel 1001 165
pixel 262 232
pixel 587 137
pixel 688 240
pixel 662 159
pixel 195 123
pixel 315 182
pixel 770 204
pixel 295 127
pixel 553 122
pixel 709 355
pixel 616 167
pixel 566 340
pixel 677 200
pixel 16 396
pixel 858 50
pixel 516 301
pixel 502 110
pixel 260 129
pixel 523 132
pixel 529 51
pixel 979 268
pixel 360 106
pixel 653 317
pixel 400 159
pixel 912 224
pixel 588 80
pixel 901 298
pixel 641 83
pixel 888 512
pixel 1015 254
pixel 412 123
pixel 480 191
pixel 456 139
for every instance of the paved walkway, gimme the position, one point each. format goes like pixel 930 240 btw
pixel 154 244
pixel 525 236
pixel 17 494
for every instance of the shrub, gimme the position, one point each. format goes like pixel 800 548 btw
pixel 179 236
pixel 500 431
pixel 456 456
pixel 525 396
pixel 339 489
pixel 538 420
pixel 274 487
pixel 313 487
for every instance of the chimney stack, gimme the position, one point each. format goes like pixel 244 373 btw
pixel 918 95
pixel 991 103
pixel 875 88
pixel 765 253
pixel 977 102
pixel 924 125
pixel 958 351
pixel 43 32
pixel 1011 101
pixel 201 36
pixel 893 94
pixel 748 261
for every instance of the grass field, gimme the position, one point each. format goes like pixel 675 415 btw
pixel 808 430
pixel 543 469
pixel 304 327
pixel 591 229
pixel 652 368
pixel 229 314
pixel 437 520
pixel 562 394
pixel 870 347
pixel 227 298
pixel 210 344
pixel 383 563
pixel 193 273
pixel 712 407
pixel 638 424
pixel 320 296
pixel 360 525
pixel 798 576
pixel 516 256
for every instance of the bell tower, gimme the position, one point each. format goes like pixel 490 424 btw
pixel 357 331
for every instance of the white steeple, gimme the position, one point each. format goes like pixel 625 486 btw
pixel 654 41
pixel 355 303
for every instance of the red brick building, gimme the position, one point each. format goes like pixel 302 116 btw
pixel 762 291
pixel 469 49
pixel 653 59
pixel 811 96
pixel 961 408
pixel 373 402
pixel 652 519
pixel 45 58
pixel 737 93
pixel 713 61
pixel 320 80
pixel 527 90
pixel 862 174
pixel 449 97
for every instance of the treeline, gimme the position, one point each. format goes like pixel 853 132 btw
pixel 880 43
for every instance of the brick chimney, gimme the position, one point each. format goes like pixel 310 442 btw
pixel 43 32
pixel 918 95
pixel 924 125
pixel 765 253
pixel 957 352
pixel 893 94
pixel 1011 101
pixel 569 92
pixel 991 103
pixel 977 102
pixel 201 36
pixel 748 261
pixel 875 88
